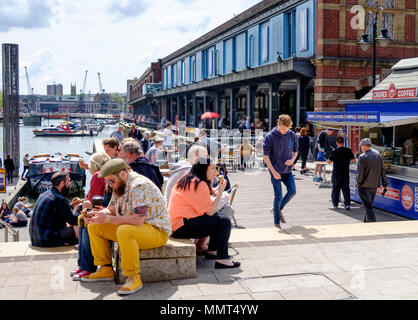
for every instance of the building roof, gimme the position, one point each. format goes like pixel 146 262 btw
pixel 404 75
pixel 238 19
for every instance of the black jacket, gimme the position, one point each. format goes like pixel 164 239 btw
pixel 148 169
pixel 136 135
pixel 304 144
pixel 9 165
pixel 145 145
pixel 370 169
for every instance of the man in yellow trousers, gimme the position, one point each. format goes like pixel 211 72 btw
pixel 136 218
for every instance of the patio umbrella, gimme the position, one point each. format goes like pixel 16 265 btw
pixel 210 115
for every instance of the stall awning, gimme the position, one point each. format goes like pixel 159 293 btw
pixel 362 119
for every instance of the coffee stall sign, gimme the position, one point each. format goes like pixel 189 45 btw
pixel 393 93
pixel 2 180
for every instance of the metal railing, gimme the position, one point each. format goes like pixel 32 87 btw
pixel 9 229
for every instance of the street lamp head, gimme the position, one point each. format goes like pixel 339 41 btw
pixel 364 42
pixel 384 39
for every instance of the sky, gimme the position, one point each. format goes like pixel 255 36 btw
pixel 59 39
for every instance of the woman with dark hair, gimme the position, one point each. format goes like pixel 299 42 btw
pixel 304 146
pixel 5 212
pixel 193 212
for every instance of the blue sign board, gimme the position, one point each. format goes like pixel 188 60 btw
pixel 401 197
pixel 370 117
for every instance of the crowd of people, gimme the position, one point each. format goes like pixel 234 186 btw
pixel 127 203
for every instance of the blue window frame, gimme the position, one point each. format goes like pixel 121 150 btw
pixel 290 33
pixel 251 51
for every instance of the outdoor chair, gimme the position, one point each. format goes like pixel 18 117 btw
pixel 231 213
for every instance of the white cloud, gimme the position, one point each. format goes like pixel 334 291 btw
pixel 83 35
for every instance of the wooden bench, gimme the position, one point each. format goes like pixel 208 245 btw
pixel 175 260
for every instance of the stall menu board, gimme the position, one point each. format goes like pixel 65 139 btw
pixel 2 180
pixel 401 196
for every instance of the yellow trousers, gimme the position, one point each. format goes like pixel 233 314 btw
pixel 130 239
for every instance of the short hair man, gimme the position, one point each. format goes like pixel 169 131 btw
pixel 322 145
pixel 155 151
pixel 136 218
pixel 370 175
pixel 131 152
pixel 135 133
pixel 280 148
pixel 48 226
pixel 341 158
pixel 145 142
pixel 118 134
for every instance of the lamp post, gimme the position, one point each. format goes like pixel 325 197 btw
pixel 383 40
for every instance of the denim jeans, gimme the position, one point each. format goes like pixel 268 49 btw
pixel 85 257
pixel 218 227
pixel 279 201
pixel 367 197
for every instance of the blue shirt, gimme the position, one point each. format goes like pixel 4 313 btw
pixel 280 148
pixel 51 213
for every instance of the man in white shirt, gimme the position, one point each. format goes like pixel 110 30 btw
pixel 168 136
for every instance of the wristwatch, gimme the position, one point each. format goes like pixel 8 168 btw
pixel 107 219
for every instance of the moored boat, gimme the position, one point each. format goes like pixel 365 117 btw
pixel 63 129
pixel 43 166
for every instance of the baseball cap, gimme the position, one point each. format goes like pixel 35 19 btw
pixel 111 167
pixel 366 142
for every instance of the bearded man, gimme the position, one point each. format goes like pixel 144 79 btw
pixel 136 218
pixel 53 223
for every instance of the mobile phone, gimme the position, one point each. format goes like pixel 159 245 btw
pixel 97 201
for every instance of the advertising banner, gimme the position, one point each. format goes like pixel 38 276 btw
pixel 2 180
pixel 393 93
pixel 401 196
pixel 367 116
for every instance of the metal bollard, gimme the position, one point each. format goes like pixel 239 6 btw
pixel 6 235
pixel 16 236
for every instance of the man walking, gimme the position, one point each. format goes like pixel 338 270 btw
pixel 10 167
pixel 280 151
pixel 341 158
pixel 370 170
pixel 25 166
pixel 322 146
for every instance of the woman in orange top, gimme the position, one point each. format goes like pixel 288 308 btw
pixel 193 213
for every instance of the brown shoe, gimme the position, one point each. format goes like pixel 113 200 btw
pixel 282 219
pixel 278 226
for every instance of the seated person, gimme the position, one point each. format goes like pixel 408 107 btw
pixel 18 218
pixel 21 206
pixel 48 226
pixel 130 151
pixel 154 153
pixel 5 212
pixel 193 213
pixel 136 218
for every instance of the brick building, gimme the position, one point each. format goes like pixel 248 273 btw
pixel 140 91
pixel 280 57
pixel 343 69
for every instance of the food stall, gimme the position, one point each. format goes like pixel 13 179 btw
pixel 388 115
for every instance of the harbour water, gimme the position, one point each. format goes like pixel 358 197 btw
pixel 33 145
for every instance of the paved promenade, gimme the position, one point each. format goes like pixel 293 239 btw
pixel 321 253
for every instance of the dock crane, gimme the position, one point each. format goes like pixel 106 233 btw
pixel 29 104
pixel 103 98
pixel 81 97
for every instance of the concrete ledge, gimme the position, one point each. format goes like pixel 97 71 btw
pixel 174 260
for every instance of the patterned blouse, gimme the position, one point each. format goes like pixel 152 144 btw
pixel 140 192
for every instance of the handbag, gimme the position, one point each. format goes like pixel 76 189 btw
pixel 321 156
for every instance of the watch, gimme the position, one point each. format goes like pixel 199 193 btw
pixel 107 219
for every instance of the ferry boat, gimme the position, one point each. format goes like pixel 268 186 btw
pixel 63 129
pixel 43 166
